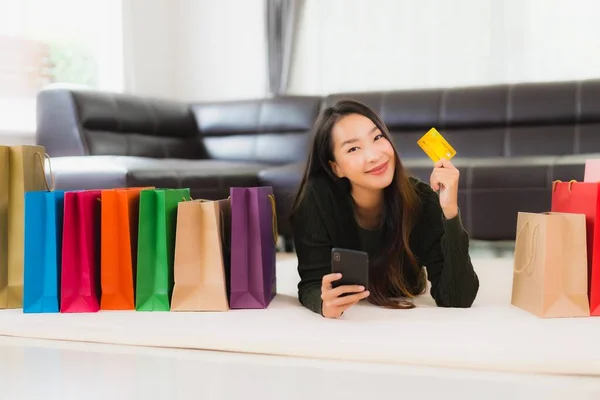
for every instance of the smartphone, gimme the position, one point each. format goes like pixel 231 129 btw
pixel 352 264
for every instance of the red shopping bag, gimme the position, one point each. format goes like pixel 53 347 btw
pixel 582 198
pixel 80 284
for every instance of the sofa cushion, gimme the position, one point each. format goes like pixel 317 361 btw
pixel 288 176
pixel 511 173
pixel 210 179
pixel 273 130
pixel 422 168
pixel 82 122
pixel 508 120
pixel 88 172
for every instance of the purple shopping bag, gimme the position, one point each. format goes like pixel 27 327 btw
pixel 253 282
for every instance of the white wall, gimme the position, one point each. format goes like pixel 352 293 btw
pixel 220 49
pixel 147 47
pixel 195 50
pixel 357 45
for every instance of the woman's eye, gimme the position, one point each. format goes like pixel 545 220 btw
pixel 352 149
pixel 380 136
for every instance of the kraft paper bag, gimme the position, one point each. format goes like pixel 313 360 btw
pixel 118 247
pixel 253 247
pixel 43 245
pixel 201 248
pixel 156 243
pixel 26 172
pixel 550 265
pixel 4 188
pixel 80 281
pixel 583 198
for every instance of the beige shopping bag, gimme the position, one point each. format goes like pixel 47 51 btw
pixel 550 265
pixel 25 174
pixel 201 248
pixel 4 188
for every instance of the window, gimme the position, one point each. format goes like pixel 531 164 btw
pixel 55 42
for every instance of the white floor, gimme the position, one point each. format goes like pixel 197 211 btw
pixel 34 369
pixel 43 369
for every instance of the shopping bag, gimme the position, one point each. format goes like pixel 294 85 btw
pixel 253 241
pixel 43 244
pixel 582 198
pixel 156 242
pixel 201 248
pixel 550 265
pixel 4 188
pixel 80 281
pixel 118 247
pixel 592 170
pixel 25 174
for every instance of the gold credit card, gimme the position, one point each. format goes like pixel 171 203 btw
pixel 435 146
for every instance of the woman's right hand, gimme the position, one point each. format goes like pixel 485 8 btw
pixel 334 304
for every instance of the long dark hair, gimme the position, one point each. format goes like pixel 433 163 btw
pixel 395 272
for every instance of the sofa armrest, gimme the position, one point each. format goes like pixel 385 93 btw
pixel 58 126
pixel 75 122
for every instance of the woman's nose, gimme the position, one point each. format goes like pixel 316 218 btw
pixel 371 155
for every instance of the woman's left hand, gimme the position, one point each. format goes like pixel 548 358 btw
pixel 444 179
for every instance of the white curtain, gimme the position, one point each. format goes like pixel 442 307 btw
pixel 359 45
pixel 281 25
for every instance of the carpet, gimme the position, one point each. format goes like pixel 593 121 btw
pixel 492 335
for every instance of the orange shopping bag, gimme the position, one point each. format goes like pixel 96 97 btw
pixel 118 247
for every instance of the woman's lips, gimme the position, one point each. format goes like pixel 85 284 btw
pixel 378 170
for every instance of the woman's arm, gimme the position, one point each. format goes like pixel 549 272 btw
pixel 445 253
pixel 313 249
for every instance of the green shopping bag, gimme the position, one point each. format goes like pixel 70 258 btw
pixel 156 243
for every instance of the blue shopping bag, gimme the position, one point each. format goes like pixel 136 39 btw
pixel 43 246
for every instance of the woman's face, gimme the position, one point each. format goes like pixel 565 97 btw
pixel 361 153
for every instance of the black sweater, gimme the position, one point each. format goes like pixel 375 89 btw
pixel 325 219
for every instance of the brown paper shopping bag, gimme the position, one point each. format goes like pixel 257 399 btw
pixel 4 188
pixel 25 174
pixel 550 265
pixel 201 256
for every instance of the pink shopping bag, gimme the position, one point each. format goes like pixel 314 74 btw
pixel 592 170
pixel 80 284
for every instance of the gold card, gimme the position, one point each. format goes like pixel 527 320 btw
pixel 435 146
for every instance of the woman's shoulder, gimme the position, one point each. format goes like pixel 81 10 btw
pixel 423 189
pixel 312 193
pixel 320 195
pixel 322 188
pixel 429 199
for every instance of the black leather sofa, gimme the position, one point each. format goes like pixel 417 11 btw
pixel 512 142
pixel 104 140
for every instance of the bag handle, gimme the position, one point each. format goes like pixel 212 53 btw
pixel 223 227
pixel 43 166
pixel 533 252
pixel 221 216
pixel 571 182
pixel 274 209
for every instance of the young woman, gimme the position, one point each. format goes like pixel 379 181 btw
pixel 355 194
